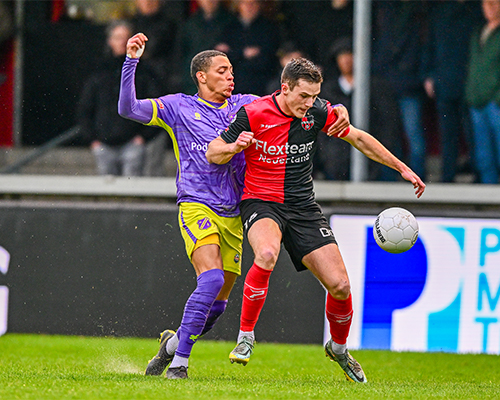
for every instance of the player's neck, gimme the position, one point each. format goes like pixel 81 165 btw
pixel 280 99
pixel 211 97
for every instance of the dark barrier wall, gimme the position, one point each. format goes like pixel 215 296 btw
pixel 120 269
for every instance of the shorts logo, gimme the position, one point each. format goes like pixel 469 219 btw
pixel 204 223
pixel 307 122
pixel 250 219
pixel 325 232
pixel 160 104
pixel 237 258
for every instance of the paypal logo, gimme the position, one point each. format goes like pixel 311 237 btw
pixel 441 295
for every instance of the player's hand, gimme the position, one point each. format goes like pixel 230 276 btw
pixel 135 43
pixel 342 123
pixel 412 177
pixel 244 141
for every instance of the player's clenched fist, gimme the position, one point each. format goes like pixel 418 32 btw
pixel 244 140
pixel 135 45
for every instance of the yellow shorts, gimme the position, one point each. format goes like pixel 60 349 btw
pixel 200 226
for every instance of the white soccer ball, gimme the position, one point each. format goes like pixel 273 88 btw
pixel 395 230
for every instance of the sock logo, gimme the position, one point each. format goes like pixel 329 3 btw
pixel 194 338
pixel 257 293
pixel 252 293
pixel 341 319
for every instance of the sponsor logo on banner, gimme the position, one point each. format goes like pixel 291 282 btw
pixel 441 295
pixel 4 291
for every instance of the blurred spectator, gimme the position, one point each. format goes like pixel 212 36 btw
pixel 483 93
pixel 397 51
pixel 449 34
pixel 251 43
pixel 316 25
pixel 152 19
pixel 201 31
pixel 286 52
pixel 117 144
pixel 333 155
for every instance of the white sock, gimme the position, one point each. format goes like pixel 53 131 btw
pixel 338 348
pixel 172 344
pixel 250 335
pixel 179 362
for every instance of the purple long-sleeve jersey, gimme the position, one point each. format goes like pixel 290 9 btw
pixel 192 123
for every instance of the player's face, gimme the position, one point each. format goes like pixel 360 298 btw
pixel 219 79
pixel 301 98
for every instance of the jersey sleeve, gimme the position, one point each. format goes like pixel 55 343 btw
pixel 331 118
pixel 238 125
pixel 128 105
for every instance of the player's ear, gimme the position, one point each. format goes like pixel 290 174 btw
pixel 201 76
pixel 285 88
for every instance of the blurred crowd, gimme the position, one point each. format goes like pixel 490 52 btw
pixel 435 74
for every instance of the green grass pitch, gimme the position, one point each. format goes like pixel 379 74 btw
pixel 72 367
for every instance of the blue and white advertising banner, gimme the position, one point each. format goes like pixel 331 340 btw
pixel 441 295
pixel 4 290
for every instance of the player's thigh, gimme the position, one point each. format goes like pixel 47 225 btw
pixel 263 222
pixel 231 243
pixel 327 264
pixel 198 226
pixel 264 237
pixel 206 257
pixel 307 230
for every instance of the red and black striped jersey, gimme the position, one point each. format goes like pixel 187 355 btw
pixel 279 164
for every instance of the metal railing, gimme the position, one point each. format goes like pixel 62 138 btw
pixel 59 140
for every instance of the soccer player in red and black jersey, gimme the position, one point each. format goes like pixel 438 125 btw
pixel 278 136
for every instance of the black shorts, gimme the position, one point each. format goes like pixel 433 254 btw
pixel 304 228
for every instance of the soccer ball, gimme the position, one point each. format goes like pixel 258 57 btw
pixel 395 230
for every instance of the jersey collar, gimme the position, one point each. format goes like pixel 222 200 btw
pixel 210 104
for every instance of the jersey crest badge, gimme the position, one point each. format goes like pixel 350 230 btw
pixel 307 122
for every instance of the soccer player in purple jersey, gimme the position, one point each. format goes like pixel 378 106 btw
pixel 207 194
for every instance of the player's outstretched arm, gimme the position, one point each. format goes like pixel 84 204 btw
pixel 376 151
pixel 128 105
pixel 220 152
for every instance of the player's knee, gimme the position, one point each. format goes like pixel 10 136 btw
pixel 340 290
pixel 266 257
pixel 213 279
